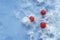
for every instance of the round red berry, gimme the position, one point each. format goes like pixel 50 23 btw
pixel 43 12
pixel 31 18
pixel 43 25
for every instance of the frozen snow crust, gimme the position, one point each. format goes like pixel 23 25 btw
pixel 52 18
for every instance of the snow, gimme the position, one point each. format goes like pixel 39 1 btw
pixel 52 17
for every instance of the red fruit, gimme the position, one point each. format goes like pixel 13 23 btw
pixel 43 25
pixel 31 18
pixel 43 12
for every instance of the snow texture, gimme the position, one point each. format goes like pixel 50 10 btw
pixel 15 25
pixel 51 17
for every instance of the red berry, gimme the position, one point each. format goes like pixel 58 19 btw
pixel 43 12
pixel 31 18
pixel 43 25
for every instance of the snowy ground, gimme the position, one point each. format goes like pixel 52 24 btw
pixel 15 25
